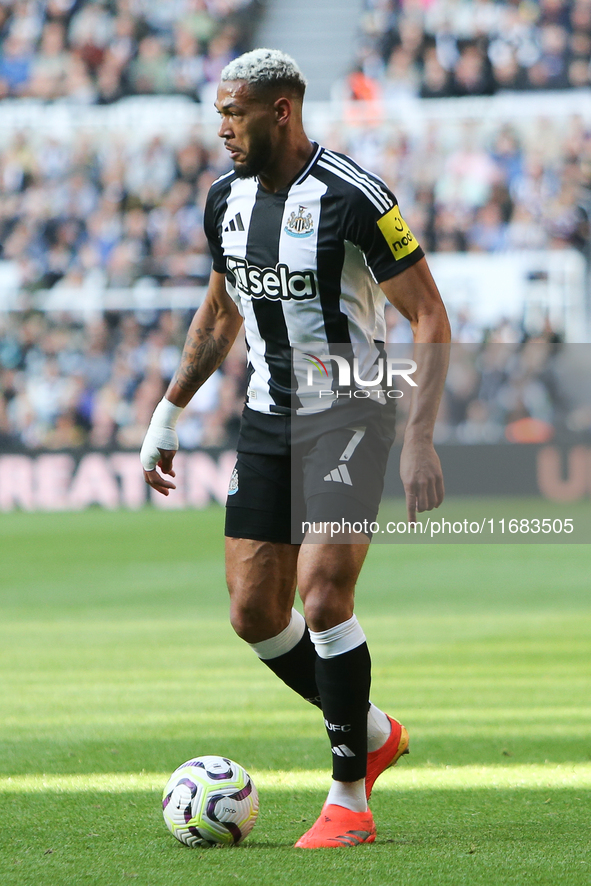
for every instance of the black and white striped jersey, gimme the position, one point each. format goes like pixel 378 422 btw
pixel 304 264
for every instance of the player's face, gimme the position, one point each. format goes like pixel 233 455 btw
pixel 247 128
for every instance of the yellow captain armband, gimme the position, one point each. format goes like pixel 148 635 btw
pixel 397 234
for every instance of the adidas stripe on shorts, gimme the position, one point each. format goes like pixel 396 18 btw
pixel 336 475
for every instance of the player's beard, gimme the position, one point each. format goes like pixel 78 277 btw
pixel 258 156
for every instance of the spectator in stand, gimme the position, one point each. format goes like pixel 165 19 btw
pixel 89 33
pixel 471 73
pixel 149 72
pixel 436 80
pixel 186 65
pixel 15 66
pixel 51 63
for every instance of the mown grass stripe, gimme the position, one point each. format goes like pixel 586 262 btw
pixel 531 777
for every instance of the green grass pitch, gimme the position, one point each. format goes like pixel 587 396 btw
pixel 117 664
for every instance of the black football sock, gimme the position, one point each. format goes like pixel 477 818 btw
pixel 343 683
pixel 297 669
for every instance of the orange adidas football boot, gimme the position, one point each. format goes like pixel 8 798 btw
pixel 386 756
pixel 339 827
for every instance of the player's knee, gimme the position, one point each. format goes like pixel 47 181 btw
pixel 244 621
pixel 326 607
pixel 327 593
pixel 254 623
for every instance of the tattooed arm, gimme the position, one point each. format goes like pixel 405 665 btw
pixel 211 335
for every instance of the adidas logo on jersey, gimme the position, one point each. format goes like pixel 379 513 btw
pixel 272 283
pixel 235 224
pixel 339 475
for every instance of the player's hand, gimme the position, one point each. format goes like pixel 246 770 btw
pixel 159 446
pixel 421 475
pixel 154 479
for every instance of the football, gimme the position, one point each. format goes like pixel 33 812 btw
pixel 210 801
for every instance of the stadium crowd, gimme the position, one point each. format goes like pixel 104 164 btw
pixel 115 213
pixel 478 185
pixel 66 383
pixel 101 212
pixel 99 51
pixel 75 212
pixel 441 48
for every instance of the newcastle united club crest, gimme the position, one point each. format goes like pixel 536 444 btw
pixel 300 225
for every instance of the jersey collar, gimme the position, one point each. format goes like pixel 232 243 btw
pixel 301 175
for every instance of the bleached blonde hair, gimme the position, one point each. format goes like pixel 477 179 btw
pixel 266 68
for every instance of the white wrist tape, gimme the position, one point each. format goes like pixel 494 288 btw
pixel 161 433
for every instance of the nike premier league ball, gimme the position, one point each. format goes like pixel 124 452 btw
pixel 210 801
